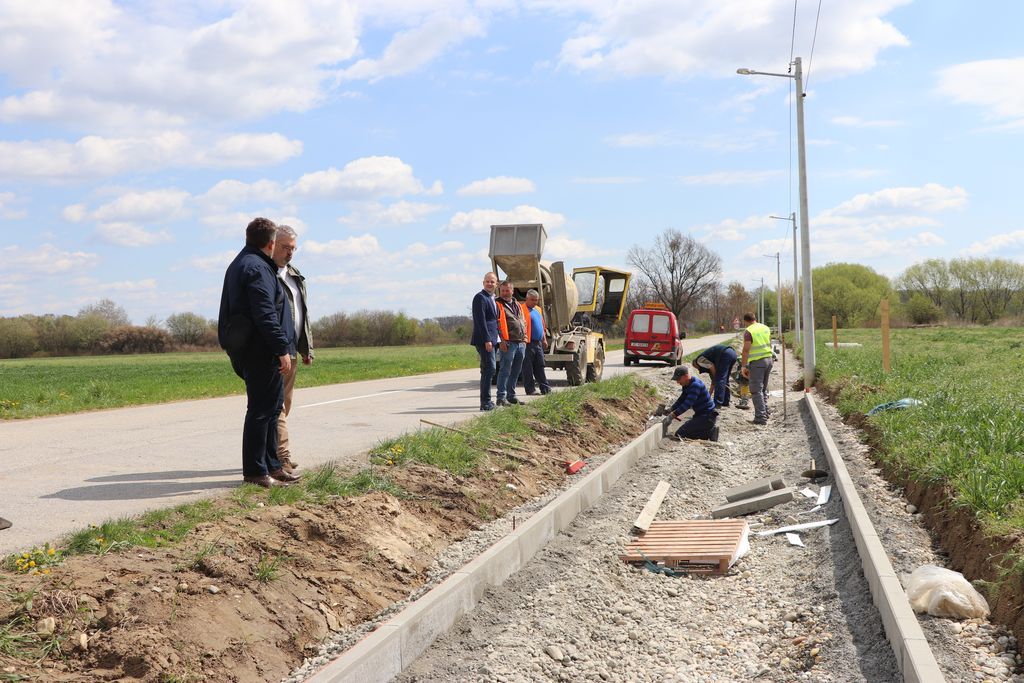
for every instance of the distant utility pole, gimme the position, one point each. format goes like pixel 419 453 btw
pixel 796 280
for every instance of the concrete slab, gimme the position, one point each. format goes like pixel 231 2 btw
pixel 757 487
pixel 377 658
pixel 755 504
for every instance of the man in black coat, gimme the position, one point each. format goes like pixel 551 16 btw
pixel 255 329
pixel 485 336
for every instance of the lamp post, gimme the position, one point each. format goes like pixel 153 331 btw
pixel 805 240
pixel 796 287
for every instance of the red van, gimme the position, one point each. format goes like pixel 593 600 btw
pixel 653 333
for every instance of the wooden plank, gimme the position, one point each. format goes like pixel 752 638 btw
pixel 643 522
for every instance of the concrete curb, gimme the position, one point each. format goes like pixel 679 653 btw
pixel 396 644
pixel 913 656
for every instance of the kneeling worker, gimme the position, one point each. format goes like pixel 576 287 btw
pixel 694 395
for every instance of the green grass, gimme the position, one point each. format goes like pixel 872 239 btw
pixel 461 453
pixel 969 436
pixel 51 386
pixel 268 568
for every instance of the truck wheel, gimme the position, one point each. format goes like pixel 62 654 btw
pixel 576 370
pixel 596 369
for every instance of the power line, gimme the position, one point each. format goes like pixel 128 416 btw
pixel 814 39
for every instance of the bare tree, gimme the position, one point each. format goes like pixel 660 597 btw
pixel 677 269
pixel 108 310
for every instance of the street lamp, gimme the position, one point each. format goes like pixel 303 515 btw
pixel 796 291
pixel 805 240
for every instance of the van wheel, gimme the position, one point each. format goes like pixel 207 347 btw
pixel 577 368
pixel 627 361
pixel 596 369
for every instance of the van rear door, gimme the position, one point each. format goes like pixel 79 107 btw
pixel 663 333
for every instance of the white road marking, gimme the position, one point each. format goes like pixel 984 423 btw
pixel 356 398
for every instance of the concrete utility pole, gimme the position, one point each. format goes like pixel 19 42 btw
pixel 778 290
pixel 796 280
pixel 805 240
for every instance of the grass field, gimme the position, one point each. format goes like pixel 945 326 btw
pixel 969 434
pixel 51 386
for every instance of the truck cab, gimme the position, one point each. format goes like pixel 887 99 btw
pixel 653 333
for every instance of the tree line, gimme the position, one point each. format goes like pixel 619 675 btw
pixel 105 328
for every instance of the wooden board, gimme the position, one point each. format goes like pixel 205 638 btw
pixel 700 545
pixel 643 522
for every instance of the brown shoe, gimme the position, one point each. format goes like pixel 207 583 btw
pixel 264 480
pixel 283 476
pixel 286 463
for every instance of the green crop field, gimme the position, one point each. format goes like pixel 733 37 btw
pixel 51 386
pixel 968 435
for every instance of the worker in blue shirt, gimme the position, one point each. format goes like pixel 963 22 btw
pixel 717 361
pixel 694 396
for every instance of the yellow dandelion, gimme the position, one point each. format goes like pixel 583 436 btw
pixel 51 552
pixel 31 563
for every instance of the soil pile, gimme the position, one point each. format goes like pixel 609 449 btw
pixel 250 596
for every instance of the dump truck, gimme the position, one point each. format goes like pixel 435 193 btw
pixel 573 304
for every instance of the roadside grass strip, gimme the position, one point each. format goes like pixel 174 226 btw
pixel 454 452
pixel 968 436
pixel 54 386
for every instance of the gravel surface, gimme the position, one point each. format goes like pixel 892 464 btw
pixel 782 613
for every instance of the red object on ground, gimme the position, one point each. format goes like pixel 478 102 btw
pixel 574 467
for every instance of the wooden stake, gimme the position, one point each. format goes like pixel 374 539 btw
pixel 643 522
pixel 885 336
pixel 472 436
pixel 835 334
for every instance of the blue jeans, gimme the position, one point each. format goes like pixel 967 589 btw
pixel 487 365
pixel 511 365
pixel 721 381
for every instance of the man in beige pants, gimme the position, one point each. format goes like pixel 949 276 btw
pixel 295 288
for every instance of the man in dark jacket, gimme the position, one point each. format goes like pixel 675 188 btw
pixel 485 336
pixel 254 327
pixel 717 361
pixel 694 396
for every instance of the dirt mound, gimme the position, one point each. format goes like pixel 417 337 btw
pixel 248 597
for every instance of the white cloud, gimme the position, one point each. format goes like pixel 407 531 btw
pixel 857 122
pixel 371 214
pixel 929 198
pixel 480 220
pixel 6 200
pixel 213 263
pixel 996 244
pixel 731 178
pixel 46 259
pixel 95 156
pixel 355 247
pixel 497 185
pixel 152 206
pixel 413 48
pixel 983 83
pixel 684 39
pixel 733 230
pixel 366 178
pixel 130 235
pixel 248 149
pixel 561 247
pixel 229 192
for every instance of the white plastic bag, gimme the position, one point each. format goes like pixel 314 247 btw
pixel 944 593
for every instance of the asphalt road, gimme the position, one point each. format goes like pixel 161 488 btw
pixel 63 473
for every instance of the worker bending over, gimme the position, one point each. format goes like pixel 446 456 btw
pixel 717 361
pixel 694 396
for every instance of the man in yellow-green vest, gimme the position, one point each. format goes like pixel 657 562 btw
pixel 756 364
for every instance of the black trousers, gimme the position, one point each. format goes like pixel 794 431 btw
pixel 698 427
pixel 534 373
pixel 264 387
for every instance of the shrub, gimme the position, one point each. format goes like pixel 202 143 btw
pixel 129 339
pixel 17 338
pixel 920 311
pixel 188 328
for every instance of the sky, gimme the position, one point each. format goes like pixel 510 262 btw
pixel 137 139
